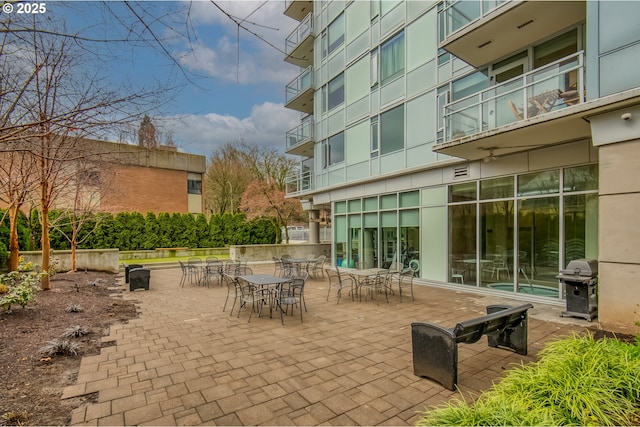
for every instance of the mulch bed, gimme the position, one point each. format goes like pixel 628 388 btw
pixel 31 383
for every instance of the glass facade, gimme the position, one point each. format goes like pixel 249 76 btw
pixel 511 233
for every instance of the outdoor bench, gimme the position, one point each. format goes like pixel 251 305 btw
pixel 435 350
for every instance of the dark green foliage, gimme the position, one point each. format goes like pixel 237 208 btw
pixel 151 232
pixel 4 254
pixel 202 231
pixel 133 231
pixel 23 231
pixel 262 230
pixel 216 231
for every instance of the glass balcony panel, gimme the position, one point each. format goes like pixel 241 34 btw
pixel 299 182
pixel 299 34
pixel 457 14
pixel 549 88
pixel 301 133
pixel 301 83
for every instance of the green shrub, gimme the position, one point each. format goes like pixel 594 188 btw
pixel 577 381
pixel 21 288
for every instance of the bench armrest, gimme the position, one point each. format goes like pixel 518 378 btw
pixel 435 353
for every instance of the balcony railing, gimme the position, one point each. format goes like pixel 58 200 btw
pixel 302 133
pixel 299 182
pixel 298 35
pixel 300 84
pixel 549 88
pixel 457 14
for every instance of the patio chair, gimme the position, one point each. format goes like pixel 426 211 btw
pixel 337 280
pixel 232 291
pixel 291 294
pixel 278 269
pixel 243 270
pixel 287 267
pixel 214 267
pixel 194 266
pixel 251 295
pixel 185 273
pixel 375 285
pixel 406 281
pixel 317 267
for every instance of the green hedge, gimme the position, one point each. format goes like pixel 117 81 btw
pixel 129 231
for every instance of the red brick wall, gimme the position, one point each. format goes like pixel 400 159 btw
pixel 142 189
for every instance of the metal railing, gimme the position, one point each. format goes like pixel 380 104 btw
pixel 299 34
pixel 299 182
pixel 302 133
pixel 457 14
pixel 298 85
pixel 549 88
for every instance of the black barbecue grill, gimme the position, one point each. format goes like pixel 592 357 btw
pixel 581 280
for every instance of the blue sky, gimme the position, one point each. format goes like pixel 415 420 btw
pixel 224 98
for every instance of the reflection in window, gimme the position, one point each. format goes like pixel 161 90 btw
pixel 194 186
pixel 335 149
pixel 580 227
pixel 464 192
pixel 531 184
pixel 498 188
pixel 392 130
pixel 581 178
pixel 336 33
pixel 392 58
pixel 336 91
pixel 496 234
pixel 462 242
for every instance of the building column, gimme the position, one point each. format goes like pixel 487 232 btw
pixel 314 226
pixel 617 136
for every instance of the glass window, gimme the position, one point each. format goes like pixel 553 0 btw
pixel 340 207
pixel 324 44
pixel 194 186
pixel 336 149
pixel 532 184
pixel 464 192
pixel 462 243
pixel 538 245
pixel 323 98
pixel 392 130
pixel 336 91
pixel 581 178
pixel 374 136
pixel 336 33
pixel 340 226
pixel 409 199
pixel 580 227
pixel 389 201
pixel 498 188
pixel 355 205
pixel 496 244
pixel 387 5
pixel 374 68
pixel 392 58
pixel 468 85
pixel 556 48
pixel 371 204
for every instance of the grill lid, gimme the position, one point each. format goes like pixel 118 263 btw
pixel 581 268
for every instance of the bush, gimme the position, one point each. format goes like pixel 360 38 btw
pixel 20 286
pixel 577 381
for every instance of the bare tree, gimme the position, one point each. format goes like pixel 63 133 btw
pixel 147 135
pixel 226 178
pixel 16 186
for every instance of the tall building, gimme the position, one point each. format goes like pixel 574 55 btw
pixel 486 144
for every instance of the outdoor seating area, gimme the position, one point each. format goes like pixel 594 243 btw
pixel 189 359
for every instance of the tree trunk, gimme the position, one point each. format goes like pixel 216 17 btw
pixel 74 235
pixel 14 246
pixel 45 243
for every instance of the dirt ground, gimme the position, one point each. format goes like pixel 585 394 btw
pixel 31 383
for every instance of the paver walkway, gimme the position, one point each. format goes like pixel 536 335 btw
pixel 185 362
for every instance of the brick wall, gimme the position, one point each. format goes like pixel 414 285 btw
pixel 142 189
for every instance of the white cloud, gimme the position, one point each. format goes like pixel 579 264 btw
pixel 201 134
pixel 215 53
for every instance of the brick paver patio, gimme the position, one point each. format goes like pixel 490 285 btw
pixel 185 362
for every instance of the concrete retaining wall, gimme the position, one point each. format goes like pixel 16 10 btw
pixel 133 255
pixel 267 252
pixel 90 259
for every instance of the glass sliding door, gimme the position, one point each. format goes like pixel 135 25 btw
pixel 538 245
pixel 389 248
pixel 355 223
pixel 580 227
pixel 340 227
pixel 370 240
pixel 496 245
pixel 410 238
pixel 462 242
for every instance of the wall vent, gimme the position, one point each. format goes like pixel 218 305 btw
pixel 461 172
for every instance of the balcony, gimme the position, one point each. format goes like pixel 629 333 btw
pixel 298 9
pixel 299 44
pixel 482 32
pixel 301 139
pixel 540 100
pixel 299 92
pixel 299 182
